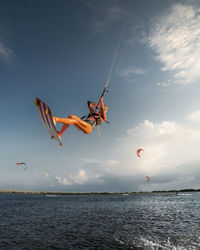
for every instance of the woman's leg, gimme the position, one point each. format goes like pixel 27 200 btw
pixel 81 125
pixel 64 127
pixel 73 120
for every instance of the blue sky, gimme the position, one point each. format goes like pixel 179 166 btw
pixel 62 52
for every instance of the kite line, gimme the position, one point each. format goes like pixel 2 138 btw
pixel 111 70
pixel 113 63
pixel 115 55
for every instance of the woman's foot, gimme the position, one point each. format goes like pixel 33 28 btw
pixel 54 120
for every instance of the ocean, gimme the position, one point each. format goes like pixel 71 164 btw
pixel 100 221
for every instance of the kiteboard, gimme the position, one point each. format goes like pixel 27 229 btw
pixel 47 120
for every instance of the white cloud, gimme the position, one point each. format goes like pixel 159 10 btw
pixel 170 158
pixel 78 178
pixel 131 71
pixel 157 130
pixel 131 74
pixel 6 54
pixel 59 179
pixel 99 168
pixel 165 84
pixel 194 116
pixel 106 12
pixel 105 163
pixel 176 40
pixel 81 177
pixel 165 144
pixel 111 163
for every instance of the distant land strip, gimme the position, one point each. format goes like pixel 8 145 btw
pixel 92 193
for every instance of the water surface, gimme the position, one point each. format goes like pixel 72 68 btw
pixel 110 221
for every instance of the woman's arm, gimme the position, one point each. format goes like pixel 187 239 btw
pixel 91 106
pixel 101 109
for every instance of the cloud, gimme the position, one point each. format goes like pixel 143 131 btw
pixel 62 181
pixel 165 84
pixel 106 12
pixel 170 151
pixel 105 163
pixel 130 72
pixel 194 116
pixel 96 169
pixel 170 158
pixel 92 173
pixel 6 54
pixel 81 177
pixel 165 144
pixel 175 38
pixel 78 178
pixel 179 177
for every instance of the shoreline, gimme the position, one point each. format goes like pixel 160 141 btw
pixel 94 193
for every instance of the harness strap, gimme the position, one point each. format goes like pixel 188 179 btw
pixel 96 118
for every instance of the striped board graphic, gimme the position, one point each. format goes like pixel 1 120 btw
pixel 46 117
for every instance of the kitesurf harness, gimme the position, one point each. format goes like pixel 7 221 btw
pixel 95 115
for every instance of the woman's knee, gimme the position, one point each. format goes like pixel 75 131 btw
pixel 72 116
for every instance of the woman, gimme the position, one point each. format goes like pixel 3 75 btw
pixel 93 118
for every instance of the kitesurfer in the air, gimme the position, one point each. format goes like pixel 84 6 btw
pixel 86 123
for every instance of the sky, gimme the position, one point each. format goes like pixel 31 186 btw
pixel 63 53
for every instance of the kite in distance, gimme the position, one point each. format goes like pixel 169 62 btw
pixel 138 151
pixel 147 178
pixel 47 173
pixel 23 164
